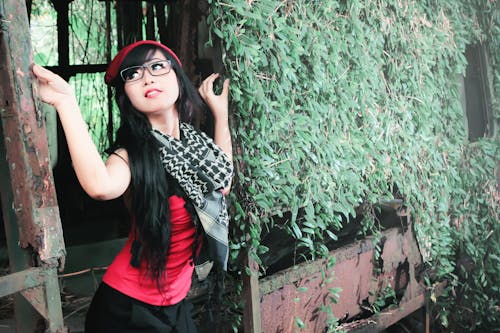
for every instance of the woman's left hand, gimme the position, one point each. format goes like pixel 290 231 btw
pixel 218 104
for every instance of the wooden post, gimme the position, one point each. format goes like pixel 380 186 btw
pixel 251 297
pixel 29 202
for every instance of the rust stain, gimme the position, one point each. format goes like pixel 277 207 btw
pixel 27 129
pixel 20 73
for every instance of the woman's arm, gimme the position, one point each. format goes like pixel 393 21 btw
pixel 102 181
pixel 218 104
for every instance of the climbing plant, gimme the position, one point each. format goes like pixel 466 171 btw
pixel 341 104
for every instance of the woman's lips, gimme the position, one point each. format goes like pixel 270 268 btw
pixel 152 93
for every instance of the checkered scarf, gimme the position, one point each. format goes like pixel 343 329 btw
pixel 202 169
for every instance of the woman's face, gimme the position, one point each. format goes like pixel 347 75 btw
pixel 152 94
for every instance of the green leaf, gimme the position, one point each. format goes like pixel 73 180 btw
pixel 299 322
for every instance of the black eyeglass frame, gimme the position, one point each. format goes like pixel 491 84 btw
pixel 147 67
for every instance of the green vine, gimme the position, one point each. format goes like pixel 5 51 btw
pixel 341 104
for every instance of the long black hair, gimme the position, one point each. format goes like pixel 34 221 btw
pixel 149 189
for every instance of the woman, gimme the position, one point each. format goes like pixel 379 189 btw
pixel 172 177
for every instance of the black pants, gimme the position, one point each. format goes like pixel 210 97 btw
pixel 114 312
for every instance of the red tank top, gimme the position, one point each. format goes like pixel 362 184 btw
pixel 134 282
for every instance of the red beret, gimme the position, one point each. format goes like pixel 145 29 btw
pixel 114 67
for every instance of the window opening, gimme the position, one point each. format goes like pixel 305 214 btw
pixel 477 94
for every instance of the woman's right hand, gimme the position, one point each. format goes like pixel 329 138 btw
pixel 53 89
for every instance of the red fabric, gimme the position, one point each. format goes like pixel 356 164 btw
pixel 133 282
pixel 114 66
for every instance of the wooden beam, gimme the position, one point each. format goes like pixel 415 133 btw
pixel 29 202
pixel 251 297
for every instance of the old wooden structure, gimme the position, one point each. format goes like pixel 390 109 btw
pixel 32 214
pixel 29 204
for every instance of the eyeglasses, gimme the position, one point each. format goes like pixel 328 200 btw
pixel 157 68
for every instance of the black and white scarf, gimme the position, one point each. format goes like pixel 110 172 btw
pixel 202 170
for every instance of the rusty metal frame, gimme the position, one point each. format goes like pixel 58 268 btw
pixel 29 203
pixel 303 292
